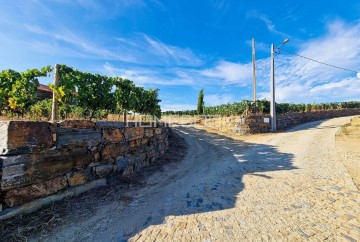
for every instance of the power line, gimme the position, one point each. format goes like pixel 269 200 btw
pixel 338 67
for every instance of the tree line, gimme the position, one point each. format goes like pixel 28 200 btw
pixel 263 106
pixel 91 95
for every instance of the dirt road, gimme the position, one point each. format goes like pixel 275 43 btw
pixel 285 186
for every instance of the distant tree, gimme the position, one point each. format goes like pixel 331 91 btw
pixel 200 106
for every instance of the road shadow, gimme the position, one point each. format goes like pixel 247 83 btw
pixel 208 179
pixel 211 186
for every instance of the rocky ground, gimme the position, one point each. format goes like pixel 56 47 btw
pixel 286 186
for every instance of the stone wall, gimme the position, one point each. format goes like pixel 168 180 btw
pixel 288 120
pixel 38 159
pixel 238 124
pixel 261 123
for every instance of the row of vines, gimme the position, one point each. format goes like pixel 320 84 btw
pixel 263 106
pixel 86 94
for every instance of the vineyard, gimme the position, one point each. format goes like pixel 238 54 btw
pixel 263 106
pixel 79 94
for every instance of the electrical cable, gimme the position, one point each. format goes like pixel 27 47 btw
pixel 320 62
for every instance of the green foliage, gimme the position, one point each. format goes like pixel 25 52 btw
pixel 201 104
pixel 124 94
pixel 263 106
pixel 93 93
pixel 18 90
pixel 41 109
pixel 80 94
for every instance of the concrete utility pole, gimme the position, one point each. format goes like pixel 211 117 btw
pixel 253 72
pixel 272 91
pixel 54 111
pixel 272 86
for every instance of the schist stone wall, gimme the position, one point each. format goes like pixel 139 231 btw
pixel 38 159
pixel 239 124
pixel 288 120
pixel 261 123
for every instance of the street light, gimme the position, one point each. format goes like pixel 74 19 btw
pixel 272 86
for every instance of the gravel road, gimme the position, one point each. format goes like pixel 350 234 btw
pixel 284 186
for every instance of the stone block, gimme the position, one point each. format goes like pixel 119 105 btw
pixel 136 158
pixel 149 132
pixel 103 170
pixel 76 124
pixel 25 194
pixel 78 138
pixel 158 131
pixel 76 178
pixel 23 136
pixel 110 151
pixel 112 135
pixel 122 162
pixel 144 141
pixel 21 170
pixel 135 143
pixel 134 133
pixel 128 171
pixel 107 124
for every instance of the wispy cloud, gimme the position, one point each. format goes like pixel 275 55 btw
pixel 181 56
pixel 104 8
pixel 266 20
pixel 149 76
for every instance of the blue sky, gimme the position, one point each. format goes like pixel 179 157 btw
pixel 183 46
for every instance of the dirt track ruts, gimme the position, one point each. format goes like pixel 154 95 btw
pixel 285 186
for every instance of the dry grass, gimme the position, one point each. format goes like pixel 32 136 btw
pixel 347 147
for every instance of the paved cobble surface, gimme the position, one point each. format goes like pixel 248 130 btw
pixel 276 187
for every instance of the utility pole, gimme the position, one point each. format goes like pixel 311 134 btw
pixel 54 111
pixel 272 90
pixel 253 72
pixel 272 86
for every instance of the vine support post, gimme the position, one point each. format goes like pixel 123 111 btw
pixel 54 111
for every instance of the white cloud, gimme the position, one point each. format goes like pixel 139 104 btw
pixel 176 107
pixel 303 80
pixel 231 73
pixel 217 99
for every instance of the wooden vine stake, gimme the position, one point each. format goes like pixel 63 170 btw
pixel 54 111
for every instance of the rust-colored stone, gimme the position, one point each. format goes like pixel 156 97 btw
pixel 113 135
pixel 25 194
pixel 111 151
pixel 20 136
pixel 135 143
pixel 158 131
pixel 76 178
pixel 134 133
pixel 144 141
